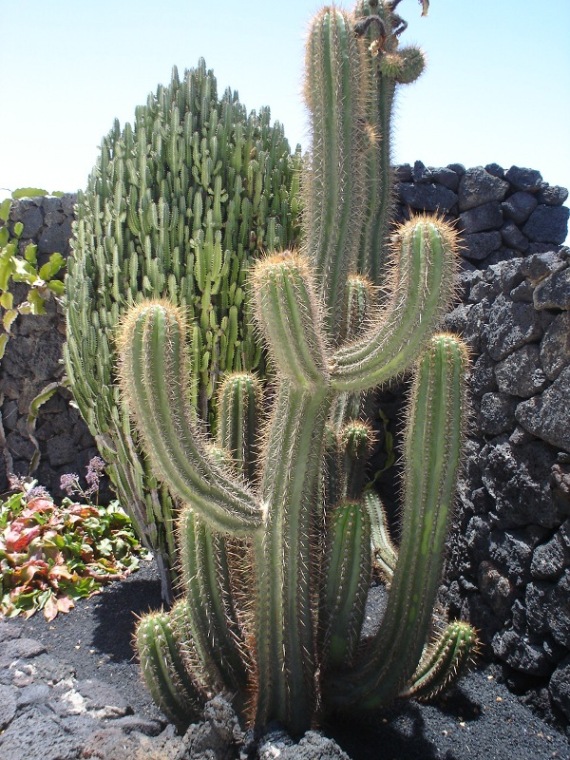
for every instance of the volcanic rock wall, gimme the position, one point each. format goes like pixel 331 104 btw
pixel 509 568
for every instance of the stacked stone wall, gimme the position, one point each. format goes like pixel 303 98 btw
pixel 509 569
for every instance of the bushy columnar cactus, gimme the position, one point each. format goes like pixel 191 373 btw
pixel 277 531
pixel 176 207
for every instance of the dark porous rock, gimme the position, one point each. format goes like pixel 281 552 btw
pixel 32 219
pixel 55 239
pixel 496 170
pixel 421 173
pixel 560 482
pixel 217 737
pixel 511 326
pixel 536 596
pixel 463 279
pixel 550 559
pixel 459 169
pixel 61 450
pixel 478 187
pixel 520 654
pixel 513 237
pixel 479 245
pixel 46 359
pixel 34 694
pixel 486 217
pixel 313 746
pixel 523 293
pixel 511 551
pixel 102 699
pixel 517 479
pixel 558 610
pixel 469 321
pixel 548 610
pixel 484 285
pixel 427 197
pixel 559 687
pixel 20 447
pixel 555 346
pixel 501 255
pixel 496 413
pixel 552 195
pixel 22 648
pixel 548 224
pixel 521 178
pixel 547 416
pixel 496 589
pixel 477 534
pixel 35 735
pixel 554 291
pixel 117 741
pixel 519 206
pixel 507 273
pixel 482 376
pixel 446 177
pixel 8 706
pixel 540 265
pixel 53 210
pixel 520 374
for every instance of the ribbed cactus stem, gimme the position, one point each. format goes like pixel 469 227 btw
pixel 432 451
pixel 285 556
pixel 239 412
pixel 152 375
pixel 165 672
pixel 211 615
pixel 347 566
pixel 384 551
pixel 406 66
pixel 334 187
pixel 288 313
pixel 423 287
pixel 444 661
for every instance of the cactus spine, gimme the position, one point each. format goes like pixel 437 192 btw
pixel 176 207
pixel 292 592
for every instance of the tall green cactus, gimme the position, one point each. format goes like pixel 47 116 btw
pixel 277 532
pixel 176 207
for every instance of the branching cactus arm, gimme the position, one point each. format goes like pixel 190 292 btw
pixel 422 290
pixel 152 376
pixel 432 452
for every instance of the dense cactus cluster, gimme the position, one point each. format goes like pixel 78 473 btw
pixel 278 532
pixel 176 207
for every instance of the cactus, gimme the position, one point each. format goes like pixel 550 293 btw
pixel 277 531
pixel 176 207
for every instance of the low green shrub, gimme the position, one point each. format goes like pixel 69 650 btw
pixel 51 555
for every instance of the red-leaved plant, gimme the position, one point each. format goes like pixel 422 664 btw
pixel 51 555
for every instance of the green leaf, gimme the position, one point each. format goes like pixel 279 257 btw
pixel 41 399
pixel 4 236
pixel 18 229
pixel 30 254
pixel 7 300
pixel 23 271
pixel 52 267
pixel 8 319
pixel 28 192
pixel 57 287
pixel 5 207
pixel 37 301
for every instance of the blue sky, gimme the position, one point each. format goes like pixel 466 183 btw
pixel 496 89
